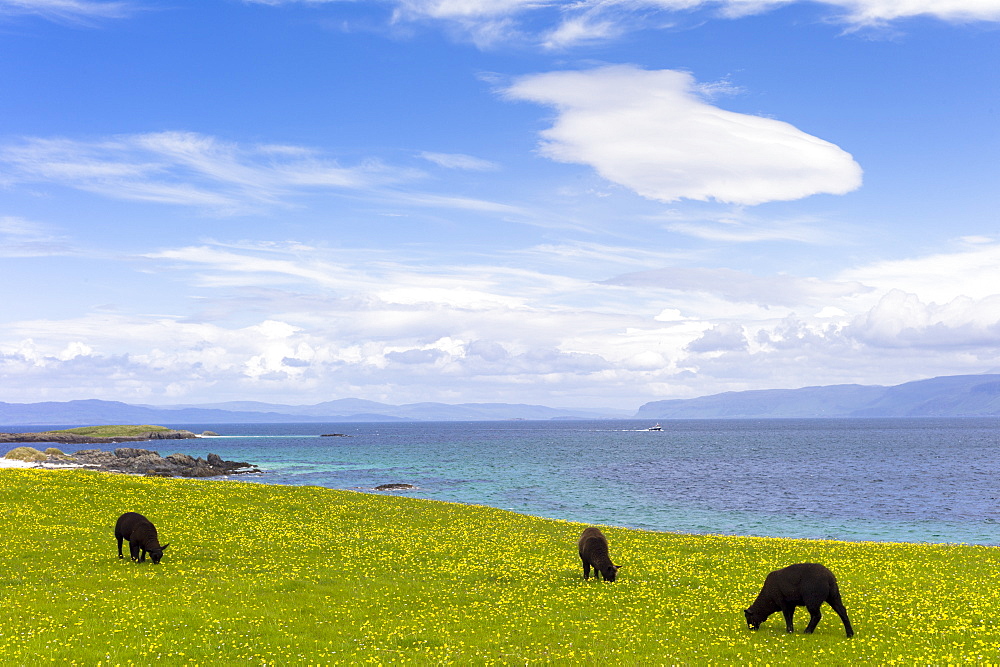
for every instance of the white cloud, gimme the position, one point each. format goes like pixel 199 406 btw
pixel 456 202
pixel 865 12
pixel 559 24
pixel 854 11
pixel 972 270
pixel 24 238
pixel 226 178
pixel 902 320
pixel 189 169
pixel 451 295
pixel 724 337
pixel 249 268
pixel 742 226
pixel 75 11
pixel 650 132
pixel 73 350
pixel 292 323
pixel 452 9
pixel 738 286
pixel 581 29
pixel 459 161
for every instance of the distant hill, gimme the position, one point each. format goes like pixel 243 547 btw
pixel 96 412
pixel 950 396
pixel 352 408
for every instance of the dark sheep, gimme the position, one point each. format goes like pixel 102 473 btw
pixel 594 552
pixel 806 585
pixel 141 535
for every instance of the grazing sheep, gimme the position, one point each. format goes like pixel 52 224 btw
pixel 594 551
pixel 806 585
pixel 141 536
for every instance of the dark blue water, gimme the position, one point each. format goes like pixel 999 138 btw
pixel 912 480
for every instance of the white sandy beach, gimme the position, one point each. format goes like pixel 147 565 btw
pixel 14 463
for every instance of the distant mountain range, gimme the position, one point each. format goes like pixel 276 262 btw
pixel 951 396
pixel 96 412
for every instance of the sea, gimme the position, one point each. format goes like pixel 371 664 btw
pixel 933 480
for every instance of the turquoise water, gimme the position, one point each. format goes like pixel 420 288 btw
pixel 912 480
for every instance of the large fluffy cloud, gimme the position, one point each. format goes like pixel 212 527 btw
pixel 652 132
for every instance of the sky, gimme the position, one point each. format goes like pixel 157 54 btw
pixel 583 203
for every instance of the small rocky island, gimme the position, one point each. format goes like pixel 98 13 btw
pixel 96 435
pixel 128 460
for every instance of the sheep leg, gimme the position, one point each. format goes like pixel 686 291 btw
pixel 838 607
pixel 120 547
pixel 789 612
pixel 814 615
pixel 586 570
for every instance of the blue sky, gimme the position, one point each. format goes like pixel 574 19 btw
pixel 588 203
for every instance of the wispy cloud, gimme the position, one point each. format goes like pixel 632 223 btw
pixel 24 238
pixel 459 161
pixel 456 202
pixel 972 269
pixel 651 132
pixel 189 169
pixel 68 11
pixel 738 286
pixel 557 24
pixel 740 225
pixel 870 12
pixel 228 266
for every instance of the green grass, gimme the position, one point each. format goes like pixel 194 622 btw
pixel 261 574
pixel 112 431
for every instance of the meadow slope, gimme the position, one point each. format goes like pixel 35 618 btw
pixel 305 575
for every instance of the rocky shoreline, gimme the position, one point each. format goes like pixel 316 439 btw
pixel 147 462
pixel 133 461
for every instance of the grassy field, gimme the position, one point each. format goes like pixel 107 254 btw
pixel 302 575
pixel 111 431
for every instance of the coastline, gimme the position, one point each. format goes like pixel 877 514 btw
pixel 132 461
pixel 679 481
pixel 375 491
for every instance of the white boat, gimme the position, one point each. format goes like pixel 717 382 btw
pixel 655 428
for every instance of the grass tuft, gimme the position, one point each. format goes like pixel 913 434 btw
pixel 303 575
pixel 25 454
